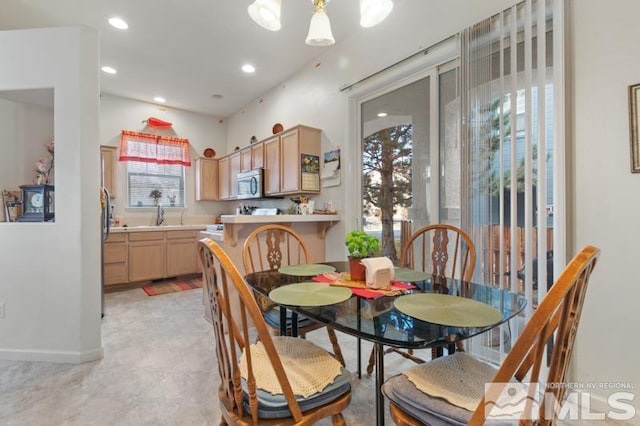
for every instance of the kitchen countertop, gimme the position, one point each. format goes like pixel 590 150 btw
pixel 119 229
pixel 214 235
pixel 233 219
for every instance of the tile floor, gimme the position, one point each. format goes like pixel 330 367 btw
pixel 158 368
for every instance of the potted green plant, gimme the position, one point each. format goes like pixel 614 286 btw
pixel 360 245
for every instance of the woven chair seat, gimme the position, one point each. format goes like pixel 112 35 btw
pixel 446 389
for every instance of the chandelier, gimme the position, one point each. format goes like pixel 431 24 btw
pixel 266 13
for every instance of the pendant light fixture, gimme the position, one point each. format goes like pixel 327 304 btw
pixel 266 13
pixel 320 28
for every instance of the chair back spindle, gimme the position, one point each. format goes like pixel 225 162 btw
pixel 442 250
pixel 270 247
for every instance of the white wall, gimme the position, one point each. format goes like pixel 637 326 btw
pixel 203 131
pixel 50 280
pixel 607 205
pixel 607 195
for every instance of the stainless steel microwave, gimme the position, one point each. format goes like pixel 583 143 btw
pixel 250 184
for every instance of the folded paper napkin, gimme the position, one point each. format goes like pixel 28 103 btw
pixel 379 271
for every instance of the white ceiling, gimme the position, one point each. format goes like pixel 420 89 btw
pixel 186 51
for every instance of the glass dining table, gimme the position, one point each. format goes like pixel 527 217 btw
pixel 378 320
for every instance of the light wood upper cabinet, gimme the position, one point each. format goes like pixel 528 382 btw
pixel 281 158
pixel 257 156
pixel 234 169
pixel 224 185
pixel 109 170
pixel 206 179
pixel 245 159
pixel 290 160
pixel 272 166
pixel 294 144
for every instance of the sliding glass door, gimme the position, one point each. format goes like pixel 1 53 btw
pixel 477 142
pixel 410 154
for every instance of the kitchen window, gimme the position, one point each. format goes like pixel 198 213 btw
pixel 155 169
pixel 143 179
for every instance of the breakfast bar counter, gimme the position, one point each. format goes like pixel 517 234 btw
pixel 312 227
pixel 279 218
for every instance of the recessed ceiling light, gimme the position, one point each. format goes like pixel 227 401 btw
pixel 109 70
pixel 118 23
pixel 160 99
pixel 382 114
pixel 248 68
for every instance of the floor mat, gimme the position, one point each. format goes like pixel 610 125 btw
pixel 172 286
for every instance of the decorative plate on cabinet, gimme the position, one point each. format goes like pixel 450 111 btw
pixel 277 128
pixel 209 153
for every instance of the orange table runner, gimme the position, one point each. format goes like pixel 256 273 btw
pixel 359 288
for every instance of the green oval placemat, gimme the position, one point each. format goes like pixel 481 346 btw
pixel 309 294
pixel 409 275
pixel 449 310
pixel 306 269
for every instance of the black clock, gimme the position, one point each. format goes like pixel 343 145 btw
pixel 37 203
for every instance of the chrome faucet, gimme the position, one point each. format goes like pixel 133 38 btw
pixel 159 215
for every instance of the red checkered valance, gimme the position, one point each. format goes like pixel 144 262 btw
pixel 148 148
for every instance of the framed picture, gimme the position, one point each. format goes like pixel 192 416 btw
pixel 634 101
pixel 11 205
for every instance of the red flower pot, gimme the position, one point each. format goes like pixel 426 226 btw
pixel 356 269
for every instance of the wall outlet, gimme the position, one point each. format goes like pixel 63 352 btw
pixel 1 310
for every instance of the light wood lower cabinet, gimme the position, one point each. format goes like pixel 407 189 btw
pixel 142 256
pixel 146 256
pixel 182 253
pixel 116 260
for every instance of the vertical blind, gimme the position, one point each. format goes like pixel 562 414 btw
pixel 510 108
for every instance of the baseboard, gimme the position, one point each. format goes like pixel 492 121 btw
pixel 62 357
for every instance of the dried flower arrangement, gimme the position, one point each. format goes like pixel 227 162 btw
pixel 44 166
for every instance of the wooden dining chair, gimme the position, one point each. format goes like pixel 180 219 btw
pixel 277 380
pixel 442 251
pixel 425 394
pixel 270 247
